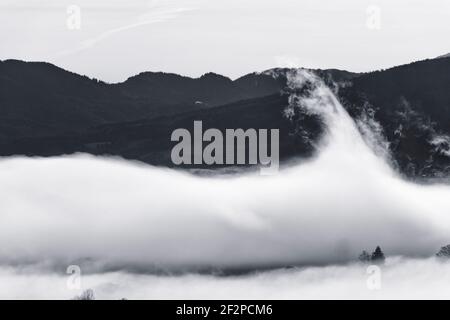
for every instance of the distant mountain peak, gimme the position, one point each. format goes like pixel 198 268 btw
pixel 159 75
pixel 214 76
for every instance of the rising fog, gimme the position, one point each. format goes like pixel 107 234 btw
pixel 108 214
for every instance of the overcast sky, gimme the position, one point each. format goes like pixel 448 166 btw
pixel 118 39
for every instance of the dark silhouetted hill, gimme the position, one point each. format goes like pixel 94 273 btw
pixel 48 111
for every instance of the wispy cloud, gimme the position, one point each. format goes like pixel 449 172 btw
pixel 156 13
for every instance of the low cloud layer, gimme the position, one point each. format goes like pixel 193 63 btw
pixel 399 279
pixel 110 214
pixel 124 223
pixel 82 209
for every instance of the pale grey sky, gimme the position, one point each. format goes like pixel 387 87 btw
pixel 118 39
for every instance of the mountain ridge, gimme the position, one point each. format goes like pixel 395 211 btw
pixel 48 111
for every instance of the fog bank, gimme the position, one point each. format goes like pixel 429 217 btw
pixel 399 279
pixel 111 214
